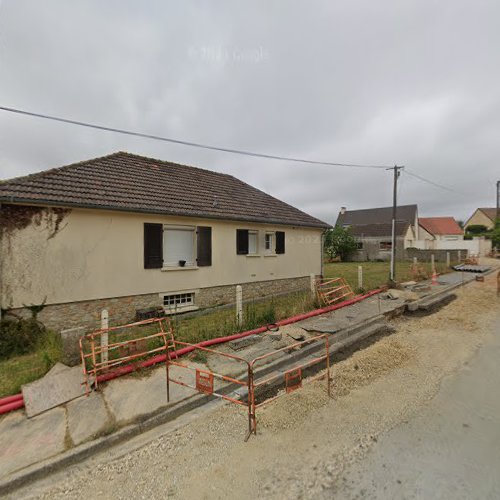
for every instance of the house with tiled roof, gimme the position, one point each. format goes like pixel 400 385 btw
pixel 482 217
pixel 440 229
pixel 372 228
pixel 128 233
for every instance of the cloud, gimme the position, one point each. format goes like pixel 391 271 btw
pixel 414 83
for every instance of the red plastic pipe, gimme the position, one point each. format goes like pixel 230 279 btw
pixel 15 402
pixel 123 370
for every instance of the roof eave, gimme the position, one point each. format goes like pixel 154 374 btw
pixel 41 202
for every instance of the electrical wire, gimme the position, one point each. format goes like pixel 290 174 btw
pixel 423 179
pixel 184 142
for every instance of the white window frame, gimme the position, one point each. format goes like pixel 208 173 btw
pixel 255 233
pixel 272 242
pixel 179 301
pixel 171 264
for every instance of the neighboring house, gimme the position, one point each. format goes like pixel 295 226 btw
pixel 372 228
pixel 124 233
pixel 439 229
pixel 482 217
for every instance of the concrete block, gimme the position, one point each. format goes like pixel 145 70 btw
pixel 71 345
pixel 87 417
pixel 60 385
pixel 238 344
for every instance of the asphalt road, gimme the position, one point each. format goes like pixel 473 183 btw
pixel 450 450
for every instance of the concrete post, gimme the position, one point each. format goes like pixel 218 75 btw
pixel 415 261
pixel 239 306
pixel 313 285
pixel 360 277
pixel 459 256
pixel 448 259
pixel 104 336
pixel 433 268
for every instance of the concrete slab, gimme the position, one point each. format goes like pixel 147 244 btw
pixel 60 385
pixel 130 398
pixel 27 441
pixel 87 417
pixel 239 344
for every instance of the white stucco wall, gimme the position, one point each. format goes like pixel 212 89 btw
pixel 99 254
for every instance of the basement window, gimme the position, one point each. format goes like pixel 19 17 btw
pixel 178 301
pixel 385 245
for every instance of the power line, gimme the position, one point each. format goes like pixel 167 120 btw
pixel 409 172
pixel 185 143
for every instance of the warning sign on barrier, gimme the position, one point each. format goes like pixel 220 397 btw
pixel 293 379
pixel 205 381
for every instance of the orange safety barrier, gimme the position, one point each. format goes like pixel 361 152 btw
pixel 98 357
pixel 330 291
pixel 292 378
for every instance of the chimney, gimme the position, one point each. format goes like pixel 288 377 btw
pixel 342 210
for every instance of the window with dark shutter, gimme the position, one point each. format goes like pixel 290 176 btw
pixel 242 241
pixel 204 246
pixel 280 242
pixel 153 246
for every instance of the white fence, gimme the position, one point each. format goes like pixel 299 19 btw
pixel 478 246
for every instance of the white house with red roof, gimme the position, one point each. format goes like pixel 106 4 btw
pixel 440 229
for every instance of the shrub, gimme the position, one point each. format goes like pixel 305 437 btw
pixel 19 336
pixel 476 229
pixel 339 242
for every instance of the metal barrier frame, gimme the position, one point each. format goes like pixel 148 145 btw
pixel 98 365
pixel 251 384
pixel 326 287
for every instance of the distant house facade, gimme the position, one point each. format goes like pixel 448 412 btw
pixel 482 217
pixel 442 229
pixel 372 228
pixel 126 233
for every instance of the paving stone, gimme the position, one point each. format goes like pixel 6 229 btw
pixel 87 417
pixel 60 385
pixel 26 441
pixel 130 398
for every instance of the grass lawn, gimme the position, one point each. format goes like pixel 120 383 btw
pixel 19 370
pixel 375 274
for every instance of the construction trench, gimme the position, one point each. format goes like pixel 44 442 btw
pixel 341 326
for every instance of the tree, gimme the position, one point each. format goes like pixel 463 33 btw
pixel 339 242
pixel 495 235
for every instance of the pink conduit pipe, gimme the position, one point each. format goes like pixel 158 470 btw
pixel 15 402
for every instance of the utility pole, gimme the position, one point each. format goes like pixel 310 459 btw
pixel 397 173
pixel 498 203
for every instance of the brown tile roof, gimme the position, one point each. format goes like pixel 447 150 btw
pixel 440 225
pixel 491 213
pixel 379 230
pixel 124 181
pixel 381 215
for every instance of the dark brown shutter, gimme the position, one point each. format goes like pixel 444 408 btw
pixel 242 241
pixel 153 246
pixel 204 246
pixel 280 242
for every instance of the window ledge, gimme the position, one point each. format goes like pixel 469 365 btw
pixel 252 255
pixel 270 255
pixel 179 268
pixel 179 309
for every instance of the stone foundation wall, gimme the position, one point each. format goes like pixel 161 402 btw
pixel 122 310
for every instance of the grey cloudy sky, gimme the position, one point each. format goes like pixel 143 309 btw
pixel 408 82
